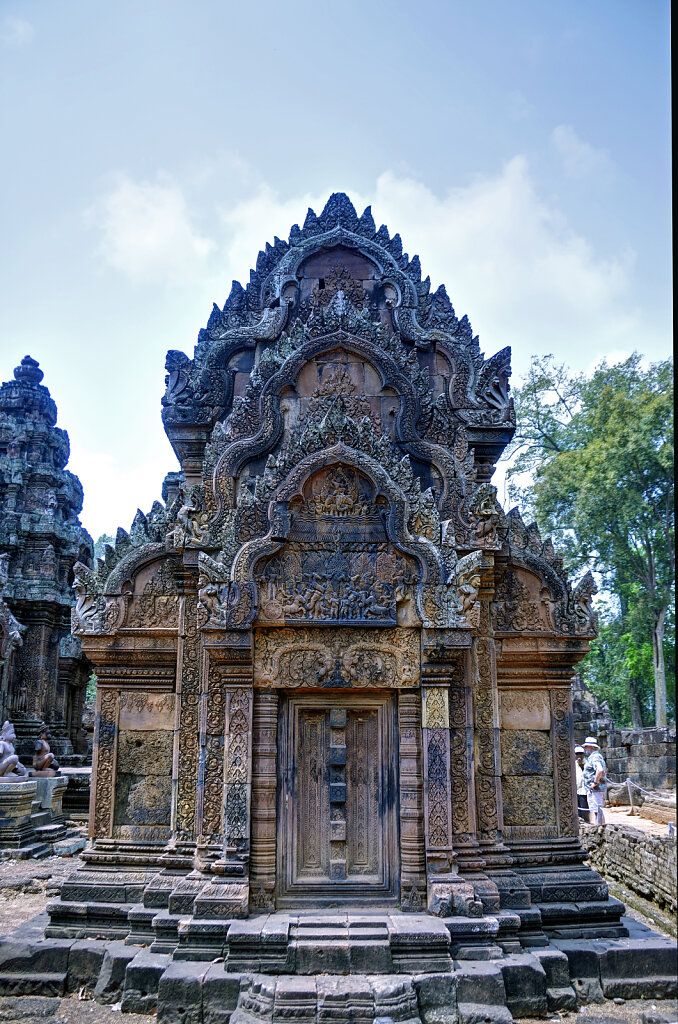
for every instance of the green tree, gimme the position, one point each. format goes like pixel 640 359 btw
pixel 598 452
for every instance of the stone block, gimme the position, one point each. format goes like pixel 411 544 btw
pixel 220 991
pixel 180 993
pixel 109 985
pixel 322 956
pixel 142 752
pixel 634 968
pixel 345 998
pixel 437 998
pixel 481 996
pixel 525 985
pixel 255 1002
pixel 526 752
pixel 32 1007
pixel 525 709
pixel 395 997
pixel 560 994
pixel 46 955
pixel 47 983
pixel 142 978
pixel 85 960
pixel 528 801
pixel 295 1000
pixel 584 967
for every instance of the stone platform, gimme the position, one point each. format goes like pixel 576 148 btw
pixel 32 821
pixel 336 967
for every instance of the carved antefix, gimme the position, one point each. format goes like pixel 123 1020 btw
pixel 368 659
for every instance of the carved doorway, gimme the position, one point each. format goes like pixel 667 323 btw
pixel 337 800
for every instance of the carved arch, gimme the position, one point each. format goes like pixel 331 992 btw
pixel 422 551
pixel 231 461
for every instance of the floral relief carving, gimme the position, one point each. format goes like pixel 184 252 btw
pixel 106 738
pixel 305 656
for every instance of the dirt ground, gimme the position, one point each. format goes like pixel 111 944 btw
pixel 27 886
pixel 621 816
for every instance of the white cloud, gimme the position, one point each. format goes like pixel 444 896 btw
pixel 512 262
pixel 115 485
pixel 508 256
pixel 147 232
pixel 580 159
pixel 15 32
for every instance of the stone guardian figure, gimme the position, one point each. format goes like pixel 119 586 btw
pixel 11 770
pixel 43 758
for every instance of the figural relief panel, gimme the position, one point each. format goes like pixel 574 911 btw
pixel 317 657
pixel 338 564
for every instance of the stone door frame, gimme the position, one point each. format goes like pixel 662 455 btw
pixel 290 891
pixel 406 779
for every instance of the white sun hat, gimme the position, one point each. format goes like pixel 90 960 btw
pixel 591 741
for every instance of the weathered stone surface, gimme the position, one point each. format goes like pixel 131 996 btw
pixel 560 994
pixel 525 709
pixel 31 1007
pixel 220 991
pixel 41 537
pixel 109 984
pixel 644 863
pixel 525 985
pixel 180 993
pixel 481 994
pixel 142 979
pixel 437 998
pixel 526 752
pixel 145 752
pixel 85 961
pixel 528 801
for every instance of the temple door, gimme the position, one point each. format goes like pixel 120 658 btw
pixel 336 811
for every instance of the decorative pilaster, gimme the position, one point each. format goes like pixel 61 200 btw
pixel 486 722
pixel 264 793
pixel 435 720
pixel 187 731
pixel 462 776
pixel 103 764
pixel 412 848
pixel 562 737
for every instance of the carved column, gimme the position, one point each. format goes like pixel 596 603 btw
pixel 562 737
pixel 462 773
pixel 412 848
pixel 435 720
pixel 187 729
pixel 103 764
pixel 264 794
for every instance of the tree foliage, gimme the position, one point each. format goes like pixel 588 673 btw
pixel 598 454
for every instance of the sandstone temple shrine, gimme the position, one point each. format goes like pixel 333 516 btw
pixel 334 722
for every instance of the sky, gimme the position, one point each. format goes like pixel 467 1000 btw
pixel 150 150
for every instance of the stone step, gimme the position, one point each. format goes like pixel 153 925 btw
pixel 69 845
pixel 50 833
pixel 34 850
pixel 18 984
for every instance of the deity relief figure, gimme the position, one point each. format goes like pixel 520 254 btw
pixel 43 758
pixel 10 767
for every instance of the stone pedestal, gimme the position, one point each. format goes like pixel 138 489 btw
pixel 16 805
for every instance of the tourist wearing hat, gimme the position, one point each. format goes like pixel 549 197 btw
pixel 595 780
pixel 582 802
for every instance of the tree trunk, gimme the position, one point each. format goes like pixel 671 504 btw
pixel 634 704
pixel 659 671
